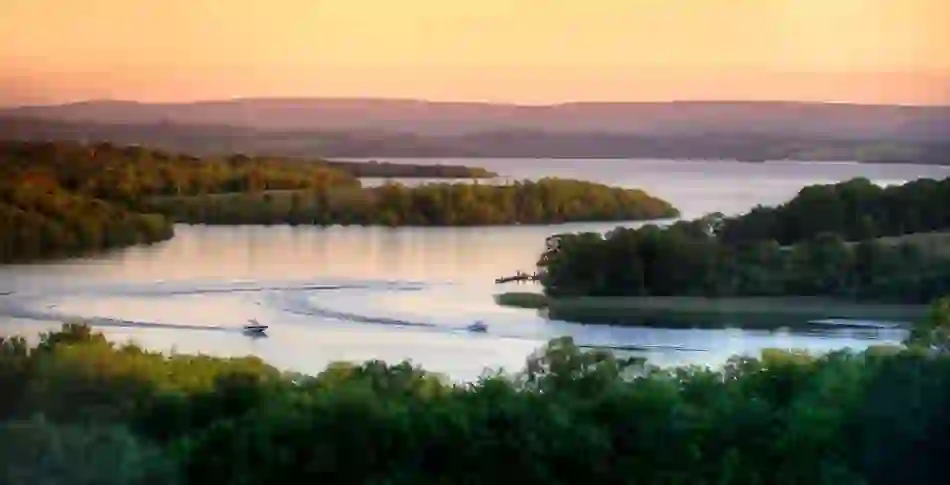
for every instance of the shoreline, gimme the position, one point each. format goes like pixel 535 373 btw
pixel 740 312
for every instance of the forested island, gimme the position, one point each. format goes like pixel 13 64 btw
pixel 78 409
pixel 829 241
pixel 67 198
pixel 856 210
pixel 546 201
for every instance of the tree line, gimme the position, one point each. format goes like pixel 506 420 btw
pixel 130 174
pixel 377 169
pixel 40 221
pixel 821 243
pixel 122 172
pixel 78 409
pixel 248 190
pixel 856 209
pixel 546 201
pixel 688 259
pixel 65 198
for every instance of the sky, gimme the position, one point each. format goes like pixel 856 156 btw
pixel 518 51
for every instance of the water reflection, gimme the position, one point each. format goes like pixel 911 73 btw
pixel 219 276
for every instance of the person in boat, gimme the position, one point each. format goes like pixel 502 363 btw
pixel 478 326
pixel 254 326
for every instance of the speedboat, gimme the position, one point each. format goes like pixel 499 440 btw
pixel 254 327
pixel 478 326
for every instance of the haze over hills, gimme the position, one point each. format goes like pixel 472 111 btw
pixel 745 130
pixel 787 119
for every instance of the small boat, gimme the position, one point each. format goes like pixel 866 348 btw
pixel 478 326
pixel 254 327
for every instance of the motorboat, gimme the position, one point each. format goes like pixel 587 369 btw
pixel 478 326
pixel 254 327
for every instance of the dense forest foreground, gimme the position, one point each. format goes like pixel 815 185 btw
pixel 830 240
pixel 67 198
pixel 78 409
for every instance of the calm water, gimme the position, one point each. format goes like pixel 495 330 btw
pixel 360 293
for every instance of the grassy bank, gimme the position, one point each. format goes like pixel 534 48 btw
pixel 678 311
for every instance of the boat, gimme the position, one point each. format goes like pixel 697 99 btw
pixel 254 327
pixel 478 326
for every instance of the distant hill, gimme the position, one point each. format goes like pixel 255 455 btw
pixel 750 131
pixel 785 119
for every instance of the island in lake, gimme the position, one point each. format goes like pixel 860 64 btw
pixel 846 250
pixel 66 198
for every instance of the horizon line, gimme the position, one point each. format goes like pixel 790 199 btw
pixel 463 102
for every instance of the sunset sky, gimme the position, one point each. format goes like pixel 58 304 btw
pixel 523 51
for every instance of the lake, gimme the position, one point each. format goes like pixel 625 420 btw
pixel 354 293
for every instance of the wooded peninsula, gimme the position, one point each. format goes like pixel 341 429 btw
pixel 66 198
pixel 852 241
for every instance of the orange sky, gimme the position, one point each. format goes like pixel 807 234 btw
pixel 526 51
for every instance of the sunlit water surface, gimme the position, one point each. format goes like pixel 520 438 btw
pixel 353 293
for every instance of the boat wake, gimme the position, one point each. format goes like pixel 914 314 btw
pixel 319 303
pixel 290 297
pixel 186 288
pixel 298 303
pixel 27 314
pixel 314 311
pixel 302 304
